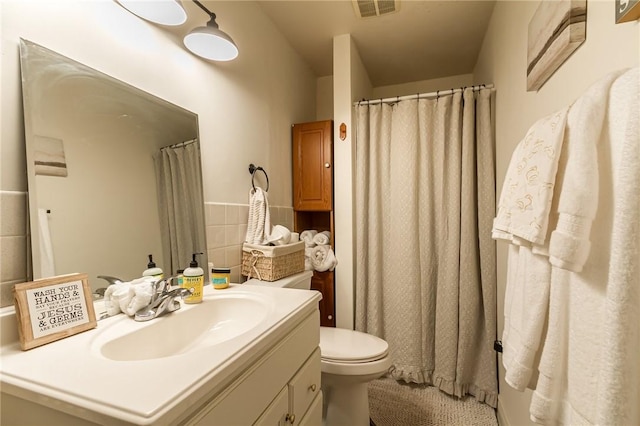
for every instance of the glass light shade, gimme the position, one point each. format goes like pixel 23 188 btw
pixel 211 43
pixel 163 12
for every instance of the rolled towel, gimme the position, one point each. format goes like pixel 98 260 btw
pixel 308 266
pixel 140 294
pixel 307 237
pixel 128 297
pixel 322 238
pixel 112 296
pixel 323 258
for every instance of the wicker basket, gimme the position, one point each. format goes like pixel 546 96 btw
pixel 271 263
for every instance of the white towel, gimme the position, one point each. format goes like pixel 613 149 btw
pixel 578 177
pixel 525 312
pixel 307 237
pixel 128 297
pixel 308 266
pixel 323 258
pixel 620 371
pixel 259 221
pixel 47 261
pixel 527 191
pixel 322 238
pixel 580 366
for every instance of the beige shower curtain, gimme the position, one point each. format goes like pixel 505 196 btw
pixel 181 204
pixel 425 271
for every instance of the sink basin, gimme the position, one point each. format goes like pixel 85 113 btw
pixel 217 319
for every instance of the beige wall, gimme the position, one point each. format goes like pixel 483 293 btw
pixel 503 62
pixel 245 107
pixel 423 86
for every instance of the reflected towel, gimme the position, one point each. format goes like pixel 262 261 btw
pixel 307 237
pixel 47 264
pixel 323 258
pixel 322 238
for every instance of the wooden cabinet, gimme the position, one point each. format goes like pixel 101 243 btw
pixel 313 198
pixel 313 166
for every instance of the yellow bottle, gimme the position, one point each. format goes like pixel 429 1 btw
pixel 193 279
pixel 220 278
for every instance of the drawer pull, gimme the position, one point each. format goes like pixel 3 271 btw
pixel 327 165
pixel 290 418
pixel 313 387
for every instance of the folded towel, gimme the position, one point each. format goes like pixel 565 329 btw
pixel 307 237
pixel 323 258
pixel 259 221
pixel 322 238
pixel 128 297
pixel 527 192
pixel 578 177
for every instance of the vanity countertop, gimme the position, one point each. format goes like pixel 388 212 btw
pixel 74 376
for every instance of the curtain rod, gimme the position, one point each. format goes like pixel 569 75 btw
pixel 180 144
pixel 435 94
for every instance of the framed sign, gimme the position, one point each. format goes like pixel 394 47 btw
pixel 51 309
pixel 627 10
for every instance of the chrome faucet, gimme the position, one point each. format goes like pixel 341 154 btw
pixel 163 300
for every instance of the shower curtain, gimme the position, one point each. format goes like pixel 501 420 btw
pixel 181 203
pixel 425 269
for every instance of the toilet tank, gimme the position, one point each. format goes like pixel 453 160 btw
pixel 301 281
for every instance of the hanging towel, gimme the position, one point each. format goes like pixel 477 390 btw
pixel 525 312
pixel 322 238
pixel 307 237
pixel 47 261
pixel 579 364
pixel 323 258
pixel 259 222
pixel 527 191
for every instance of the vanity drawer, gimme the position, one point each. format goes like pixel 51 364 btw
pixel 305 385
pixel 276 414
pixel 314 413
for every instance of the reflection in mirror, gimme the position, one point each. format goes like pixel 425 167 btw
pixel 102 161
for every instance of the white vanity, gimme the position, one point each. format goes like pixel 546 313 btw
pixel 245 355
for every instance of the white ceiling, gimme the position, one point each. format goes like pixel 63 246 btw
pixel 425 39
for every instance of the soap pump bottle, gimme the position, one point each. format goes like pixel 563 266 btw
pixel 152 270
pixel 193 279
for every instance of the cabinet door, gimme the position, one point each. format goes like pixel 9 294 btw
pixel 313 166
pixel 323 282
pixel 276 413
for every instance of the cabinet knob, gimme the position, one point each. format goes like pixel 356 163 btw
pixel 290 418
pixel 327 165
pixel 313 387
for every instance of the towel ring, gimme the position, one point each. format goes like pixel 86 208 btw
pixel 253 169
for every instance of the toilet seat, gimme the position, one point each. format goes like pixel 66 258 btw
pixel 338 345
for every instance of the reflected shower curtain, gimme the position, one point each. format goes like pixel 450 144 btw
pixel 181 203
pixel 425 268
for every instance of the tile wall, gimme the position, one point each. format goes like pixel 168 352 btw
pixel 15 261
pixel 226 228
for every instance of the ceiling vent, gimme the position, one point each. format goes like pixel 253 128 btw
pixel 371 8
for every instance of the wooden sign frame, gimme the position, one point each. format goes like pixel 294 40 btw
pixel 51 309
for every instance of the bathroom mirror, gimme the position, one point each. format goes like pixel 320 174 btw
pixel 96 203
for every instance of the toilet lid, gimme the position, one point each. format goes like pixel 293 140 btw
pixel 339 344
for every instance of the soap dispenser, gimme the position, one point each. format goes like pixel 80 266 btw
pixel 152 270
pixel 193 279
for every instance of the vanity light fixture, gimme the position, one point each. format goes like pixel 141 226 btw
pixel 210 42
pixel 163 12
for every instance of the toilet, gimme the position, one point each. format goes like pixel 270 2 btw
pixel 349 361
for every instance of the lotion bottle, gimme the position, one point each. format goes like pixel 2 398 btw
pixel 193 279
pixel 152 270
